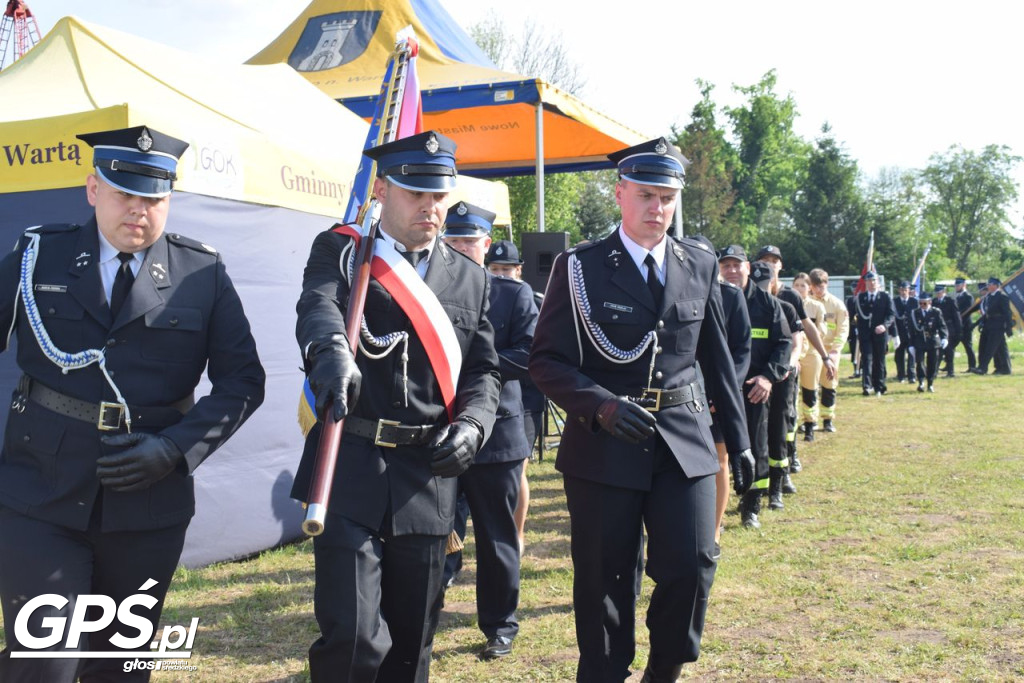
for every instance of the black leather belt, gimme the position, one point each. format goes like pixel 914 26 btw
pixel 388 433
pixel 654 400
pixel 106 416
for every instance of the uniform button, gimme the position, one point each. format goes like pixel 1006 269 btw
pixel 111 373
pixel 615 316
pixel 658 375
pixel 582 419
pixel 660 349
pixel 26 438
pixel 111 342
pixel 661 324
pixel 174 322
pixel 695 311
pixel 51 311
pixel 396 404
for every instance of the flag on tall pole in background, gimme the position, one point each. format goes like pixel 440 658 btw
pixel 916 283
pixel 869 264
pixel 410 121
pixel 397 114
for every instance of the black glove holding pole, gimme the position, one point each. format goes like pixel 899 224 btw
pixel 333 375
pixel 625 420
pixel 742 466
pixel 147 459
pixel 454 447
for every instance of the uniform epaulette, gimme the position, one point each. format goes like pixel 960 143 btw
pixel 726 283
pixel 52 228
pixel 182 241
pixel 696 244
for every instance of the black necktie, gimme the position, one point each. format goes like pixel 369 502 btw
pixel 653 283
pixel 414 257
pixel 122 282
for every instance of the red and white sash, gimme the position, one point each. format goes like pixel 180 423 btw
pixel 420 304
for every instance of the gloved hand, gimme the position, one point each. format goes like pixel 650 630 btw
pixel 1009 332
pixel 454 447
pixel 333 376
pixel 944 343
pixel 148 459
pixel 742 466
pixel 625 420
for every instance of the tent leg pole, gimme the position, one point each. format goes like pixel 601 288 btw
pixel 540 166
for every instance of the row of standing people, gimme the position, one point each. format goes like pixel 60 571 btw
pixel 921 337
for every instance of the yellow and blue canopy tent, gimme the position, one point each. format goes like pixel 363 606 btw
pixel 503 123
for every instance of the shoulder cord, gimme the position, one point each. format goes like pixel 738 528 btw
pixel 600 341
pixel 66 361
pixel 388 342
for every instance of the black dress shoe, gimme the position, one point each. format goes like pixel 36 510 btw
pixel 661 674
pixel 829 427
pixel 499 646
pixel 867 392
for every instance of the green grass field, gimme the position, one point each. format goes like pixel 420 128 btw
pixel 900 558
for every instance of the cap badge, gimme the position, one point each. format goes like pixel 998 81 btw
pixel 728 250
pixel 661 147
pixel 432 145
pixel 499 251
pixel 144 142
pixel 461 209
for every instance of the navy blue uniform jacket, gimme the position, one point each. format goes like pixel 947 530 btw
pixel 514 318
pixel 393 488
pixel 567 367
pixel 181 316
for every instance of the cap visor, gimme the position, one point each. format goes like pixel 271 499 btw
pixel 654 179
pixel 136 184
pixel 424 183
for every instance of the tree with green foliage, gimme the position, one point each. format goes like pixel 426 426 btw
pixel 829 221
pixel 970 197
pixel 895 204
pixel 772 156
pixel 708 193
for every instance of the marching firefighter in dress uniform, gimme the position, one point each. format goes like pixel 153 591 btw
pixel 624 322
pixel 875 316
pixel 996 321
pixel 489 489
pixel 930 338
pixel 116 321
pixel 964 301
pixel 904 303
pixel 951 315
pixel 420 399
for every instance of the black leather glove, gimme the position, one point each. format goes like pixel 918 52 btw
pixel 1009 332
pixel 454 447
pixel 333 376
pixel 742 466
pixel 148 458
pixel 625 420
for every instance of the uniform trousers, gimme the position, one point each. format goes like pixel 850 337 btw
pixel 872 361
pixel 810 376
pixel 966 339
pixel 377 600
pixel 757 430
pixel 781 418
pixel 992 347
pixel 38 558
pixel 949 353
pixel 606 521
pixel 927 357
pixel 903 355
pixel 491 491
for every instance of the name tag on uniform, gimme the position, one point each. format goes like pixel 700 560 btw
pixel 759 333
pixel 60 289
pixel 618 307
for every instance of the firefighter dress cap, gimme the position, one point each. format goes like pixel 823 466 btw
pixel 769 250
pixel 503 253
pixel 924 296
pixel 466 220
pixel 421 163
pixel 761 274
pixel 939 288
pixel 982 286
pixel 656 162
pixel 995 281
pixel 870 275
pixel 139 160
pixel 733 251
pixel 960 281
pixel 904 284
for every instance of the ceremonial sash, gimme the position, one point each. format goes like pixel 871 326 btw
pixel 420 304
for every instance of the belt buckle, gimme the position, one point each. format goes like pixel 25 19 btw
pixel 106 422
pixel 648 396
pixel 380 425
